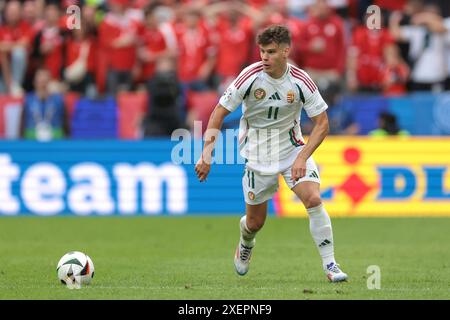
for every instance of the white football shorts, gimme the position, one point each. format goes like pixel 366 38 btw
pixel 259 188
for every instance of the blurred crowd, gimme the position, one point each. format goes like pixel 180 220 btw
pixel 169 48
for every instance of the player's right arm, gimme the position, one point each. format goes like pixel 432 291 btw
pixel 213 130
pixel 230 100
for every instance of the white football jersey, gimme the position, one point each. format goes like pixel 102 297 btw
pixel 269 131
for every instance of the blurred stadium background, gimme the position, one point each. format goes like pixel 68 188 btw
pixel 86 115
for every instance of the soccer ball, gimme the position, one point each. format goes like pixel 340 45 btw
pixel 75 268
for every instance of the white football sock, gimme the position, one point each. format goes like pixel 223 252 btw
pixel 247 237
pixel 322 233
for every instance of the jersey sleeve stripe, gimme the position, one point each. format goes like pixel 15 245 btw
pixel 238 85
pixel 305 75
pixel 306 78
pixel 248 71
pixel 309 79
pixel 299 77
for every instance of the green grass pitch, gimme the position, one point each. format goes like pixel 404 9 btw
pixel 192 258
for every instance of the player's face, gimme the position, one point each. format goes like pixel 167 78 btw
pixel 274 57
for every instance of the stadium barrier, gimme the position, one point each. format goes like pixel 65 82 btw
pixel 360 177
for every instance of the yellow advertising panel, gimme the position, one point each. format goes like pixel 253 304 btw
pixel 368 176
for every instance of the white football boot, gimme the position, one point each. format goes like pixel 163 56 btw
pixel 334 274
pixel 242 258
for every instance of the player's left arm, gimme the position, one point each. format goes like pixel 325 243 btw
pixel 318 134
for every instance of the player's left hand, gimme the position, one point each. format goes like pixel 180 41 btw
pixel 298 169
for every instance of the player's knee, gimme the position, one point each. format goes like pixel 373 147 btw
pixel 312 201
pixel 255 224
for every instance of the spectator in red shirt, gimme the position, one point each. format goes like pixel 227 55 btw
pixel 365 58
pixel 81 60
pixel 32 15
pixel 50 42
pixel 196 54
pixel 152 44
pixel 15 39
pixel 322 41
pixel 234 32
pixel 395 73
pixel 322 49
pixel 232 29
pixel 118 38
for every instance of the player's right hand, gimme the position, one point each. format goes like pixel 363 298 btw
pixel 202 169
pixel 298 169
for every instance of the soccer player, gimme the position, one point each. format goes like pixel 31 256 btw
pixel 272 93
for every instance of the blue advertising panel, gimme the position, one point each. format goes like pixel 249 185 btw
pixel 419 113
pixel 113 178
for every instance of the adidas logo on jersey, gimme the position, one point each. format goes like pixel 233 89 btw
pixel 275 96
